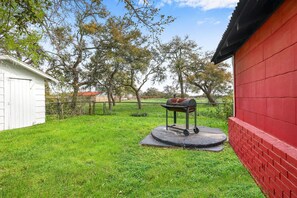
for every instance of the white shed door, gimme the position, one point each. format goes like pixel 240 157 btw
pixel 20 104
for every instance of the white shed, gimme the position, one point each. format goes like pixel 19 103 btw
pixel 22 94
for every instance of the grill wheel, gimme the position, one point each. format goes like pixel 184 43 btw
pixel 196 130
pixel 186 132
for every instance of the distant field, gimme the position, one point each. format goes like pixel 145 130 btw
pixel 198 100
pixel 100 156
pixel 154 109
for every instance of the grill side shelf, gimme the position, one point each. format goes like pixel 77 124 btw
pixel 178 108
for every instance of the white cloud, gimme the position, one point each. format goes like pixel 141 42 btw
pixel 201 22
pixel 143 2
pixel 163 3
pixel 212 21
pixel 203 4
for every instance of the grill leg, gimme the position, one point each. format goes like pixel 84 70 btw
pixel 174 118
pixel 195 115
pixel 187 119
pixel 196 130
pixel 166 119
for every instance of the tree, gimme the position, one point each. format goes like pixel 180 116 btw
pixel 120 91
pixel 153 93
pixel 74 42
pixel 145 14
pixel 112 46
pixel 71 46
pixel 124 58
pixel 212 79
pixel 142 64
pixel 19 35
pixel 169 91
pixel 106 78
pixel 179 52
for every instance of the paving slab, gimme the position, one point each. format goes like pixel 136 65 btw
pixel 150 141
pixel 207 139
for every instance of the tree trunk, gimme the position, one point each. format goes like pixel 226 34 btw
pixel 210 99
pixel 138 99
pixel 109 101
pixel 120 98
pixel 181 84
pixel 75 86
pixel 74 97
pixel 112 99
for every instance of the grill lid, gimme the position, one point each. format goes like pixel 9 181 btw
pixel 182 102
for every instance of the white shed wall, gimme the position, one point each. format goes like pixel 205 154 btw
pixel 10 70
pixel 2 116
pixel 39 108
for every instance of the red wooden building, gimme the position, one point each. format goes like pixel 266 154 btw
pixel 262 39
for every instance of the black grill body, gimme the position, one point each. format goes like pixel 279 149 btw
pixel 185 105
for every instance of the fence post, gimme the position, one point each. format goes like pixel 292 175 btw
pixel 60 109
pixel 94 103
pixel 104 108
pixel 90 107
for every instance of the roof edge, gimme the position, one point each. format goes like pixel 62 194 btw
pixel 28 67
pixel 247 17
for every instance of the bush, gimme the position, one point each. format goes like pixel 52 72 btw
pixel 225 110
pixel 139 114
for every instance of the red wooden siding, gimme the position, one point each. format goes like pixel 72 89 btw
pixel 266 76
pixel 264 131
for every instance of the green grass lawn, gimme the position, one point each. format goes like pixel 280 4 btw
pixel 100 156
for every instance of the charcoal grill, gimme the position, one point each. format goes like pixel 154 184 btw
pixel 184 105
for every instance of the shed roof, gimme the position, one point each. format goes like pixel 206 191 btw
pixel 28 67
pixel 247 17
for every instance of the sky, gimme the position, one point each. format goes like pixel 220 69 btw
pixel 204 21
